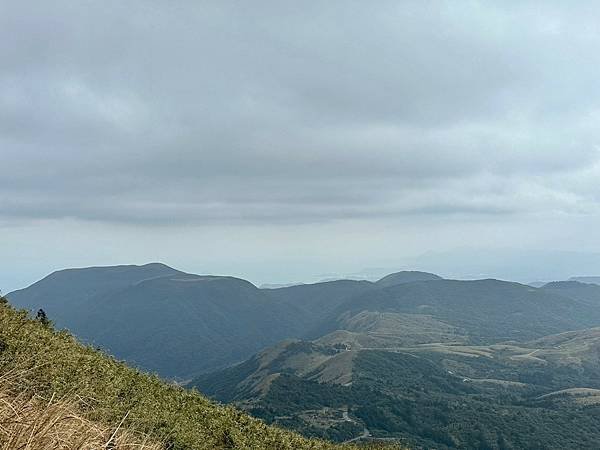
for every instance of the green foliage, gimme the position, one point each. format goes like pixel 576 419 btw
pixel 43 318
pixel 414 399
pixel 54 363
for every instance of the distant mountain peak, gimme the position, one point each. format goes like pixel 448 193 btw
pixel 569 284
pixel 153 267
pixel 406 276
pixel 588 279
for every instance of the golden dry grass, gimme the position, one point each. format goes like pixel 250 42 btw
pixel 30 422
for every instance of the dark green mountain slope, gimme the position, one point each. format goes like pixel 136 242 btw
pixel 407 276
pixel 310 303
pixel 483 310
pixel 161 319
pixel 179 326
pixel 319 299
pixel 591 280
pixel 66 294
pixel 584 292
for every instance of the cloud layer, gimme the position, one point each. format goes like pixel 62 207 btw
pixel 235 112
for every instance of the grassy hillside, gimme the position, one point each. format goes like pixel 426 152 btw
pixel 253 377
pixel 542 394
pixel 35 423
pixel 160 319
pixel 53 363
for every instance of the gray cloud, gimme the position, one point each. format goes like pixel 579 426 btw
pixel 275 112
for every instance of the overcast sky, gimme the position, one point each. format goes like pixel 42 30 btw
pixel 287 140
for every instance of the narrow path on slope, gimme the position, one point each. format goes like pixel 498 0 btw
pixel 365 434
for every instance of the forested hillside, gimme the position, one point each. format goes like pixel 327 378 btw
pixel 440 364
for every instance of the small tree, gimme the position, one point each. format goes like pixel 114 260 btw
pixel 43 318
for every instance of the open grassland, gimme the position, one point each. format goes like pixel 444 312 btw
pixel 53 364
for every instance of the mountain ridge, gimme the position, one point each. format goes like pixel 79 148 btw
pixel 204 322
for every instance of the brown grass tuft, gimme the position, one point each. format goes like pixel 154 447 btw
pixel 29 422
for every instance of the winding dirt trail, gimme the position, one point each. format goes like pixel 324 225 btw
pixel 365 434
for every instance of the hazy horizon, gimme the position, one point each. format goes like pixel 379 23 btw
pixel 278 141
pixel 503 264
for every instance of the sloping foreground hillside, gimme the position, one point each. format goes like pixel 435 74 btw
pixel 31 422
pixel 53 364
